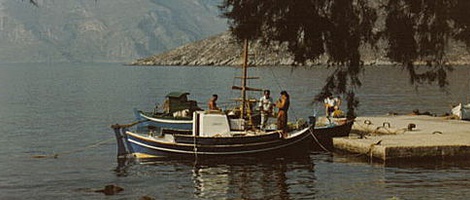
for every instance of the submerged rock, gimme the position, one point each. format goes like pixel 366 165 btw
pixel 146 198
pixel 110 189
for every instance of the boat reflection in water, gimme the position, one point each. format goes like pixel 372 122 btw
pixel 234 178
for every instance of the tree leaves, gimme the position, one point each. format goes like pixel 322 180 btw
pixel 417 32
pixel 311 29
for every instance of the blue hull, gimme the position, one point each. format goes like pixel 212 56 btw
pixel 170 125
pixel 142 146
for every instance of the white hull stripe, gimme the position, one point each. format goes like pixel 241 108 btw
pixel 170 121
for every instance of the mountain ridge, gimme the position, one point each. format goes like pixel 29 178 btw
pixel 105 30
pixel 224 50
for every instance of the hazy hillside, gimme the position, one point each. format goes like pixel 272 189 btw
pixel 106 30
pixel 223 50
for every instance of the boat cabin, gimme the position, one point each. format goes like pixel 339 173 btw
pixel 178 101
pixel 210 123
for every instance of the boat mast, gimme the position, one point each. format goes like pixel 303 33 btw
pixel 244 77
pixel 245 107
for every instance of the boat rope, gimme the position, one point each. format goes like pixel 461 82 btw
pixel 276 80
pixel 75 150
pixel 317 141
pixel 370 153
pixel 114 126
pixel 396 132
pixel 368 130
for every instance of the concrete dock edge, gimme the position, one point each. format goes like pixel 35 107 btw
pixel 391 138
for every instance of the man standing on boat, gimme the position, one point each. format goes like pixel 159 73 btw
pixel 212 104
pixel 283 105
pixel 265 107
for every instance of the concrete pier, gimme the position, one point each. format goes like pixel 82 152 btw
pixel 398 137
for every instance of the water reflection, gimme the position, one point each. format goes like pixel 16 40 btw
pixel 431 163
pixel 123 166
pixel 442 178
pixel 246 179
pixel 237 177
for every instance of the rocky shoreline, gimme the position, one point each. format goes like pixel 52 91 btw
pixel 224 50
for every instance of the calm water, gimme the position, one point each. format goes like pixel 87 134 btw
pixel 67 109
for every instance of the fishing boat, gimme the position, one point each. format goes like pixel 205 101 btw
pixel 175 114
pixel 219 133
pixel 214 134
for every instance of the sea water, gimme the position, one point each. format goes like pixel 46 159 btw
pixel 57 143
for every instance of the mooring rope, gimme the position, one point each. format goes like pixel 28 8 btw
pixel 73 151
pixel 317 141
pixel 276 80
pixel 396 132
pixel 370 131
pixel 114 126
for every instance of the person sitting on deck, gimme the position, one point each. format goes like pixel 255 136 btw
pixel 332 106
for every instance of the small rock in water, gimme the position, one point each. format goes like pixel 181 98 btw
pixel 111 189
pixel 146 198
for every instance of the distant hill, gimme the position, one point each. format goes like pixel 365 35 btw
pixel 104 30
pixel 224 50
pixel 221 49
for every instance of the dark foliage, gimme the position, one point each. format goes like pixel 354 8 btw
pixel 416 32
pixel 420 31
pixel 311 29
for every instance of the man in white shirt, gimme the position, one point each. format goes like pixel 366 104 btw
pixel 331 104
pixel 266 108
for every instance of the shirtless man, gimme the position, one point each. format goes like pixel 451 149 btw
pixel 212 104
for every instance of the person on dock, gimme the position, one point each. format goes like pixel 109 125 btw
pixel 265 107
pixel 212 104
pixel 283 105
